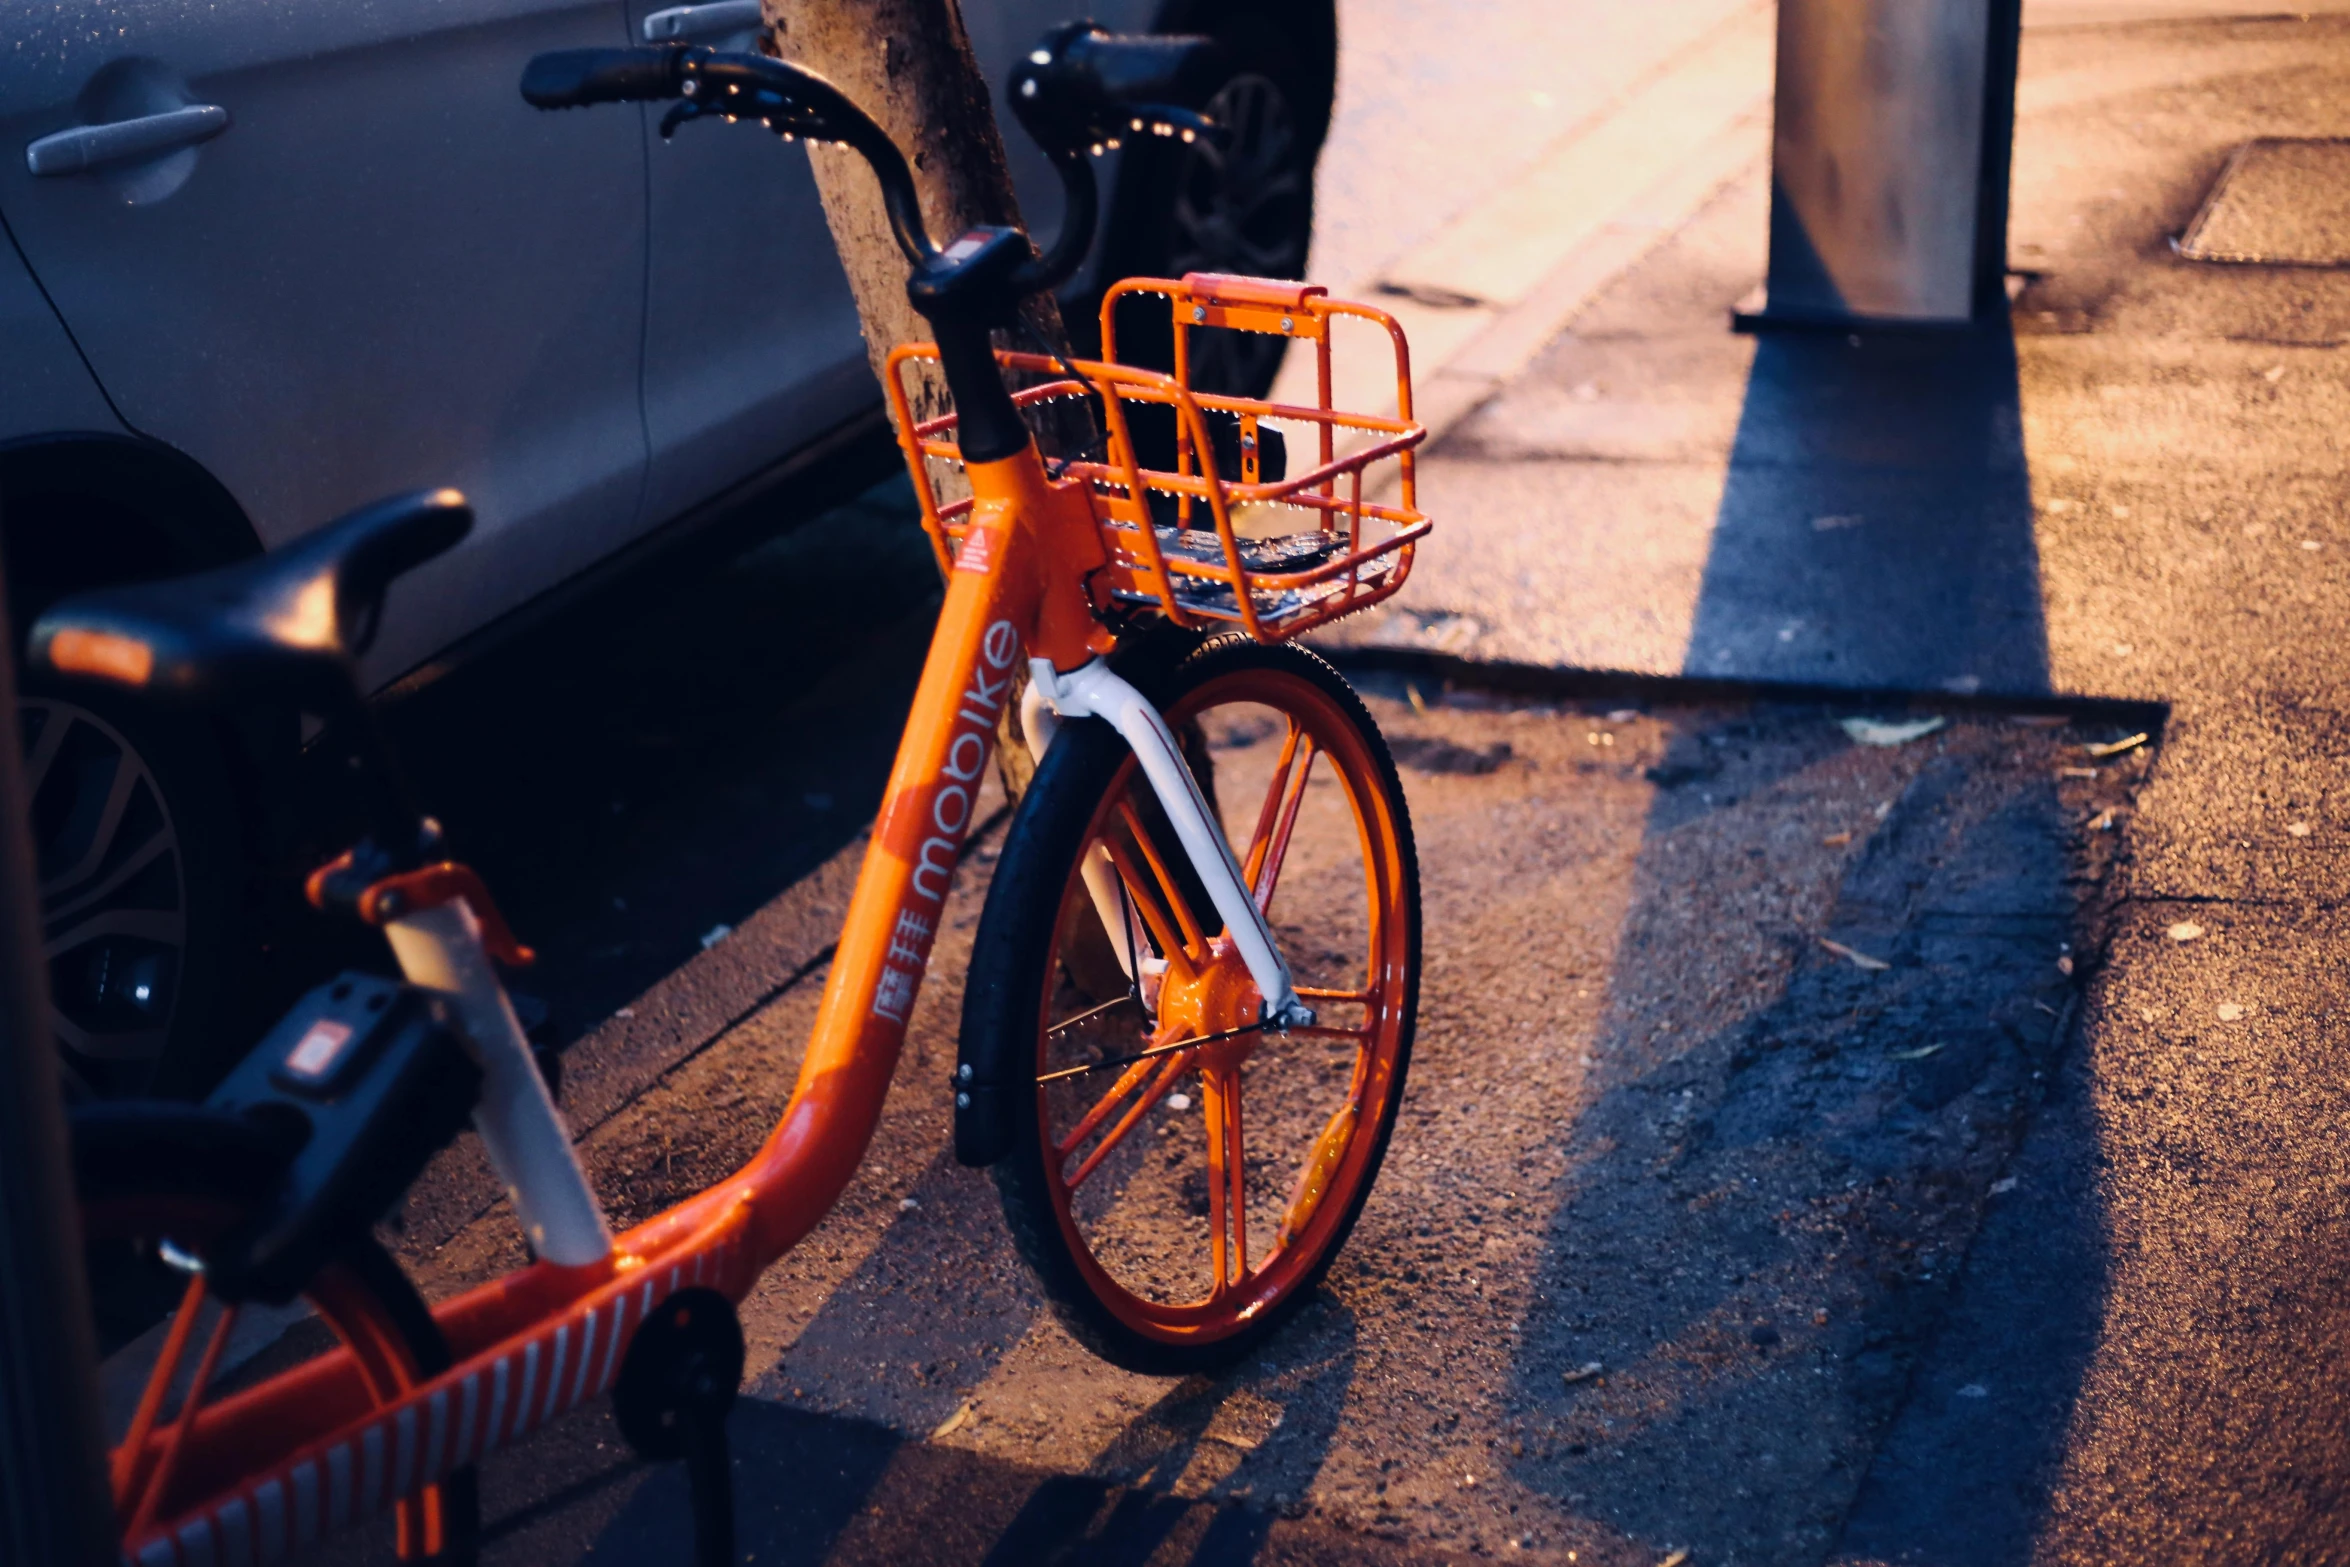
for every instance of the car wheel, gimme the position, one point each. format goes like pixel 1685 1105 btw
pixel 138 848
pixel 1246 206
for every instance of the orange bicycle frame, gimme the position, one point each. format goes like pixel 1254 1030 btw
pixel 1033 562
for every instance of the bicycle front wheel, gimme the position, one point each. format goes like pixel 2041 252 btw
pixel 1181 1179
pixel 153 1205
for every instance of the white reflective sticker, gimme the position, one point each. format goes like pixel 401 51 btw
pixel 315 1055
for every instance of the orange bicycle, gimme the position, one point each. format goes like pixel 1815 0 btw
pixel 1210 878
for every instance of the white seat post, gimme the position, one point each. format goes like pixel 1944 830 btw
pixel 440 949
pixel 1096 692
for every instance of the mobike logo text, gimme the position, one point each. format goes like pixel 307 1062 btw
pixel 953 800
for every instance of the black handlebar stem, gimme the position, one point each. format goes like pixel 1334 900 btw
pixel 1082 91
pixel 1080 213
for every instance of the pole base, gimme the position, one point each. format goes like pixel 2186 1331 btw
pixel 1754 315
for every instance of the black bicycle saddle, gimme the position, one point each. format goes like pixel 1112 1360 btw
pixel 284 625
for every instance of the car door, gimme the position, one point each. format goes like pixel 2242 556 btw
pixel 327 250
pixel 752 347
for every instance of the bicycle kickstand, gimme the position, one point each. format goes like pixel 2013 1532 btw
pixel 675 1389
pixel 710 1482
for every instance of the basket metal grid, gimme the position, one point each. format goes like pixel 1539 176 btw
pixel 1193 541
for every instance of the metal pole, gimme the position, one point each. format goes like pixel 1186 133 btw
pixel 54 1503
pixel 1889 164
pixel 2000 60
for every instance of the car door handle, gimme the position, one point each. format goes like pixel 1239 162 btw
pixel 125 141
pixel 702 21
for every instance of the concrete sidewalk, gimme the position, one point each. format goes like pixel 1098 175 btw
pixel 2137 494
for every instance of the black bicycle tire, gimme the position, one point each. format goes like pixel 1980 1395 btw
pixel 1017 927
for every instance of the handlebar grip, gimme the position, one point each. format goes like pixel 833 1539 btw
pixel 1083 87
pixel 1133 71
pixel 574 78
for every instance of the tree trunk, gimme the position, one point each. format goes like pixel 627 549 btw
pixel 909 64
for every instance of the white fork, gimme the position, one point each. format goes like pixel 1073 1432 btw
pixel 1096 692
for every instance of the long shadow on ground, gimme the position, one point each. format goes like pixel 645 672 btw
pixel 1763 1216
pixel 818 1488
pixel 1764 1221
pixel 1875 527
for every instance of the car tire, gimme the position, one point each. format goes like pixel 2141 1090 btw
pixel 1246 207
pixel 144 883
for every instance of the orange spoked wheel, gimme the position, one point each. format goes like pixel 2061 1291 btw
pixel 176 1355
pixel 1182 1178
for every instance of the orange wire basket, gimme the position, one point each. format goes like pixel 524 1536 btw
pixel 1201 541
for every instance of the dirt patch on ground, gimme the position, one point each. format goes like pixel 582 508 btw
pixel 1729 1026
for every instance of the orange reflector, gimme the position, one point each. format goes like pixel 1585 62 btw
pixel 103 654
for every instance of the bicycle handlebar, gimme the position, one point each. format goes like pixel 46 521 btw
pixel 789 99
pixel 1081 88
pixel 1079 91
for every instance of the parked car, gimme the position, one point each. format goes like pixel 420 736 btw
pixel 265 263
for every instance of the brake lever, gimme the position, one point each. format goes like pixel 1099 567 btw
pixel 779 112
pixel 687 110
pixel 680 112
